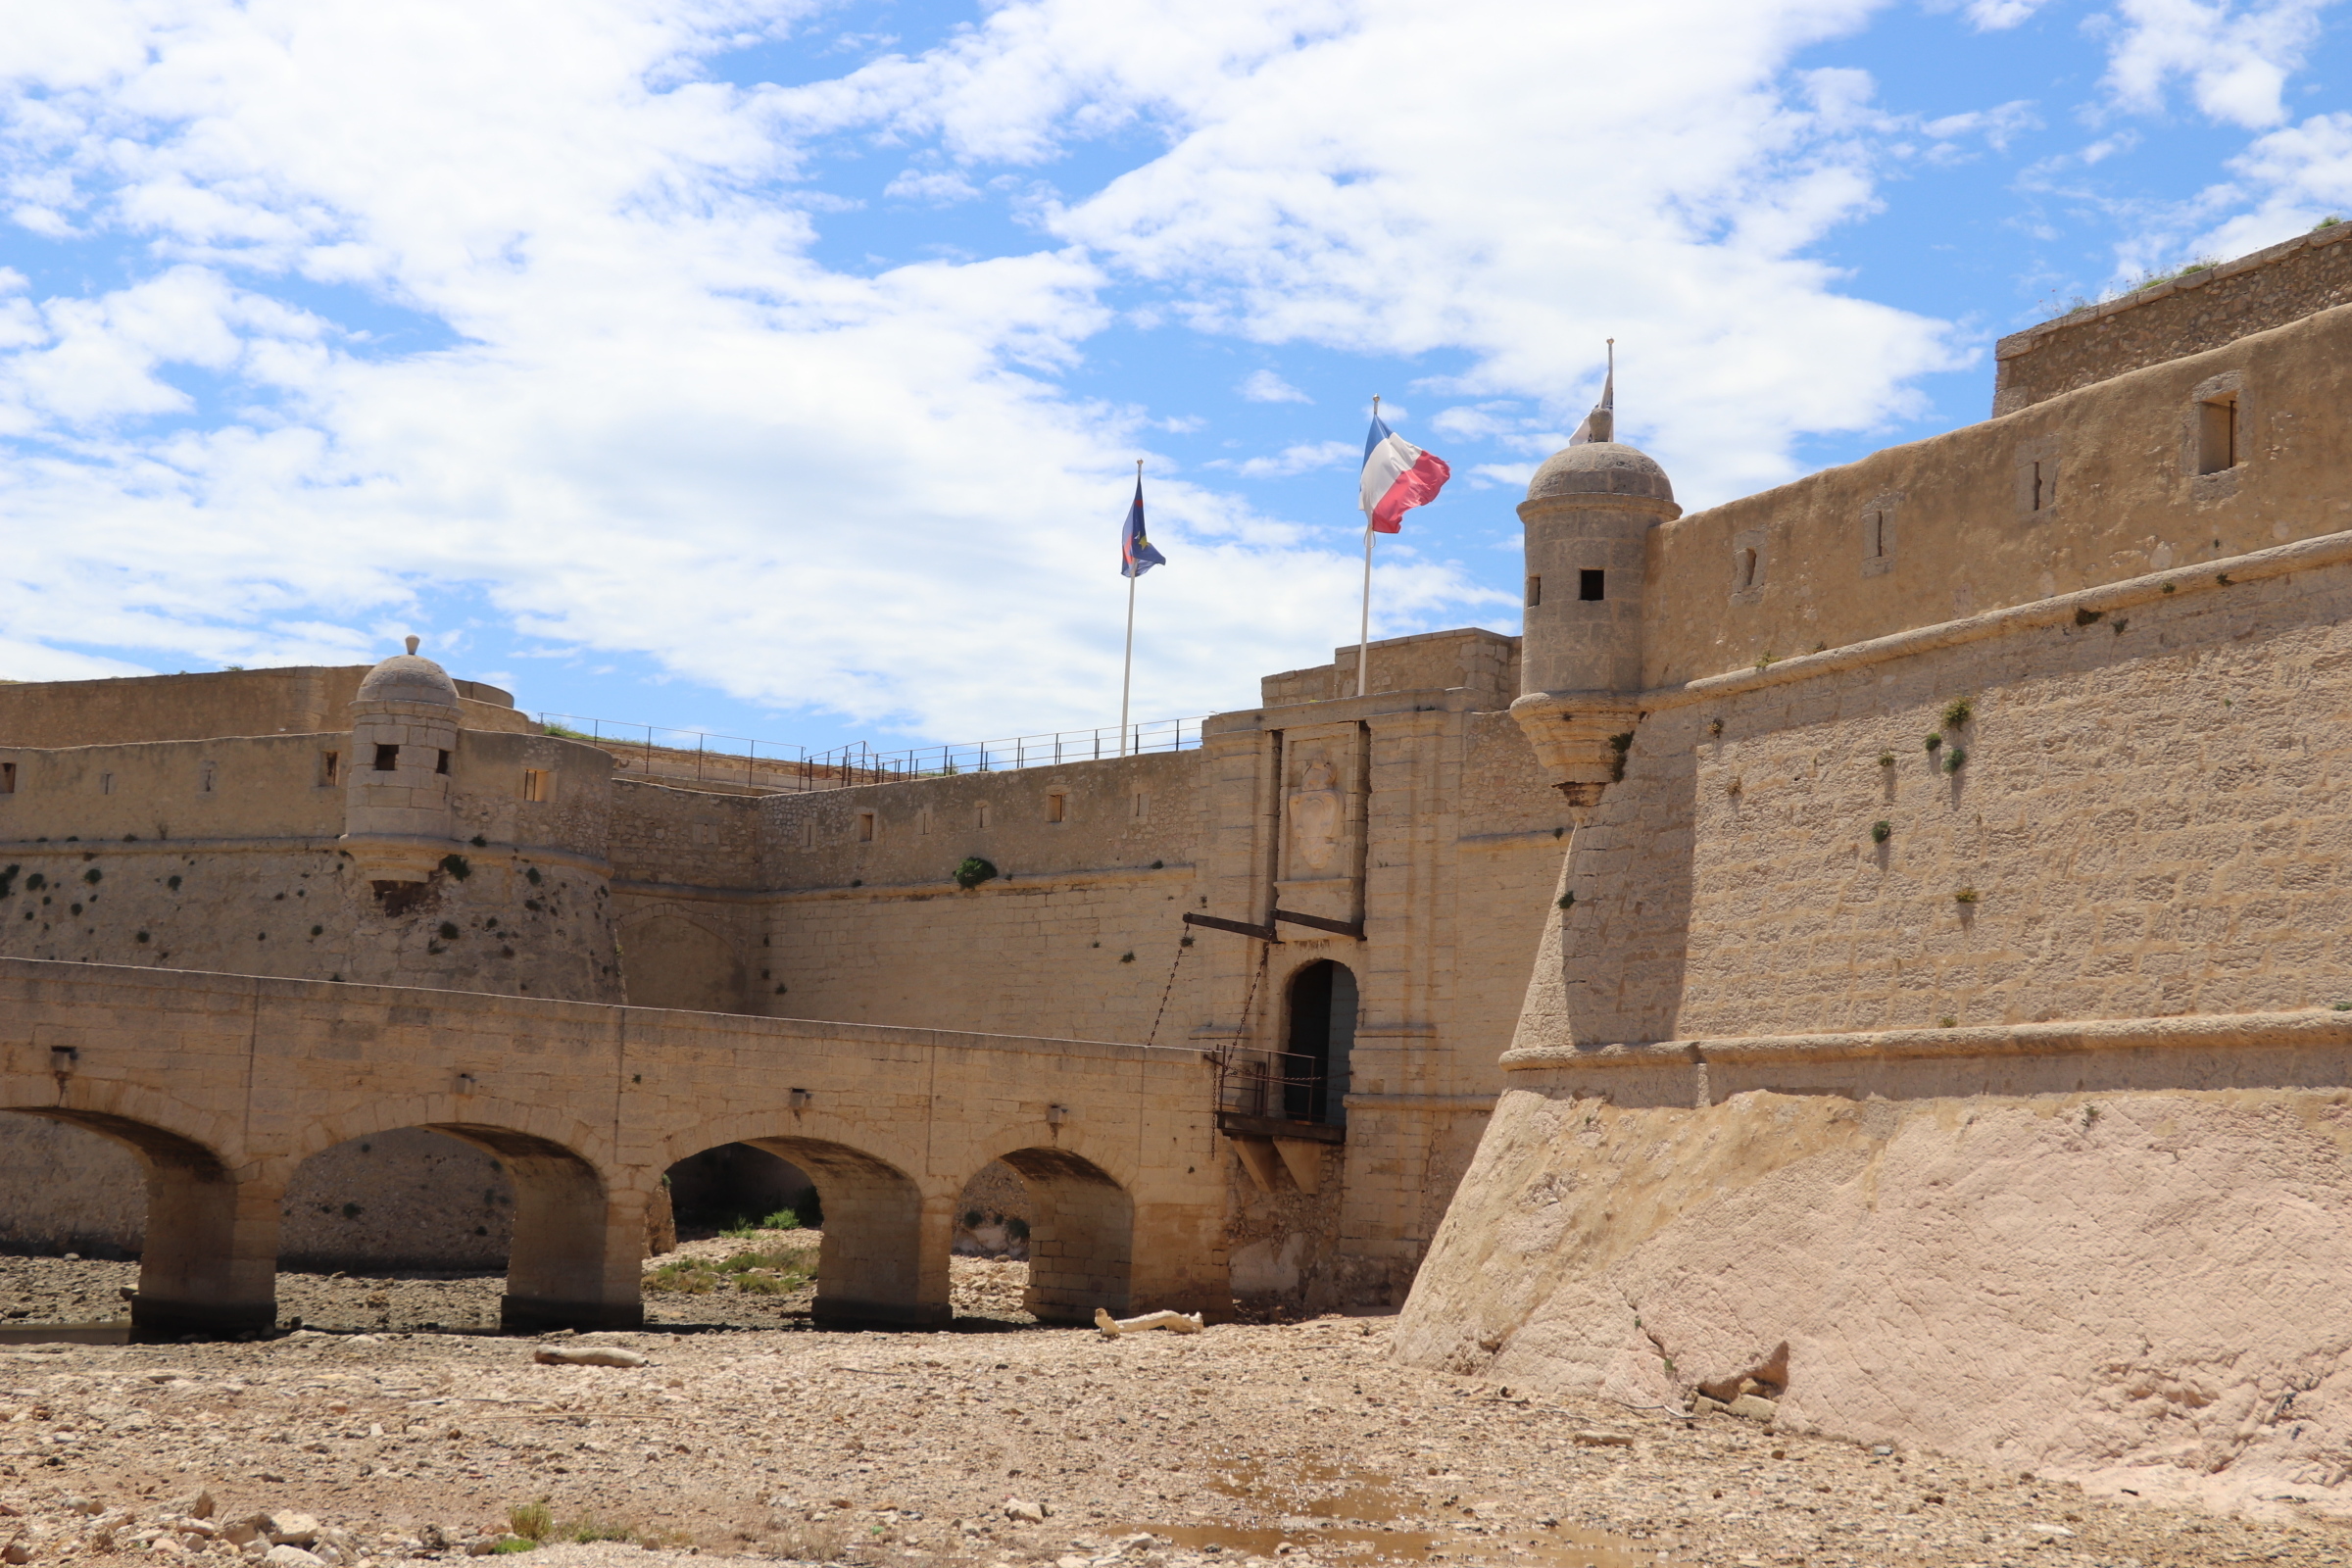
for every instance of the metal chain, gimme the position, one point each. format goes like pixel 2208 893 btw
pixel 1185 941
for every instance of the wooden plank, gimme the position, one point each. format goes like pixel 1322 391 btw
pixel 1263 933
pixel 1346 928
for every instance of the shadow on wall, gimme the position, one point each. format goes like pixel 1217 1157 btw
pixel 1629 875
pixel 667 960
pixel 735 1185
pixel 65 1189
pixel 407 1199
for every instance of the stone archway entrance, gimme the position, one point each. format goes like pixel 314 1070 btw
pixel 1319 1033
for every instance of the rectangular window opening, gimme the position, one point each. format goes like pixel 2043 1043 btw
pixel 809 833
pixel 980 816
pixel 866 827
pixel 106 783
pixel 1055 805
pixel 1590 584
pixel 1142 805
pixel 330 766
pixel 442 764
pixel 8 778
pixel 1535 591
pixel 388 757
pixel 1745 570
pixel 2217 434
pixel 2045 486
pixel 538 784
pixel 1877 530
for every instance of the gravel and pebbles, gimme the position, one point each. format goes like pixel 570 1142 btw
pixel 753 1437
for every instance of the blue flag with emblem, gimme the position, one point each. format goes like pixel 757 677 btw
pixel 1136 555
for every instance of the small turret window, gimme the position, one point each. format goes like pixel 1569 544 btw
pixel 1591 584
pixel 1747 568
pixel 442 766
pixel 1535 591
pixel 388 757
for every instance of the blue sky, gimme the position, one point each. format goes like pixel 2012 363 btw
pixel 778 369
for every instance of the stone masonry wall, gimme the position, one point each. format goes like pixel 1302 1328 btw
pixel 297 700
pixel 2150 819
pixel 221 856
pixel 2120 485
pixel 876 929
pixel 2187 314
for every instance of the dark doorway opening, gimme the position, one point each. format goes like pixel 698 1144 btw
pixel 1322 1033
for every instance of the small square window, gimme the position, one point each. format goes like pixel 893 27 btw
pixel 1591 585
pixel 387 758
pixel 1055 804
pixel 538 785
pixel 1535 591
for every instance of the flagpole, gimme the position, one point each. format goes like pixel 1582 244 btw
pixel 1363 632
pixel 1127 669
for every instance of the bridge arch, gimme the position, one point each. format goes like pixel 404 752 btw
pixel 208 1257
pixel 875 1263
pixel 576 1242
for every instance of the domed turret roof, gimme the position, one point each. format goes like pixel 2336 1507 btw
pixel 1601 468
pixel 409 678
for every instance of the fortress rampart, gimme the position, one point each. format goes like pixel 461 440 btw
pixel 2189 312
pixel 1877 943
pixel 1936 1028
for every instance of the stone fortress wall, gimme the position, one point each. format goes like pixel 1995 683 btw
pixel 224 852
pixel 1936 1029
pixel 1725 1065
pixel 2188 314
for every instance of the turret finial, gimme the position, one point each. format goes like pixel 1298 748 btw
pixel 412 641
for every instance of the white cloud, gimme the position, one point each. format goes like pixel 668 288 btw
pixel 2235 59
pixel 1993 15
pixel 1297 459
pixel 1264 386
pixel 651 421
pixel 2285 182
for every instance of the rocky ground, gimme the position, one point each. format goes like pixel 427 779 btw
pixel 760 1437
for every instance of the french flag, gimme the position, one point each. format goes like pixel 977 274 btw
pixel 1397 476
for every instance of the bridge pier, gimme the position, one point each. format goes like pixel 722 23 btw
pixel 209 1267
pixel 884 1259
pixel 1080 1239
pixel 574 1260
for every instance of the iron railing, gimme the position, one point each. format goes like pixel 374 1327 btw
pixel 654 752
pixel 1258 1086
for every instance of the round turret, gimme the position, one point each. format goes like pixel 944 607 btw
pixel 1601 468
pixel 1586 514
pixel 409 678
pixel 397 821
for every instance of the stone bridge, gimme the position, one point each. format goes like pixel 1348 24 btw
pixel 226 1083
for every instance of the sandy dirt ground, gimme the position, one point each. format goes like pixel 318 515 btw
pixel 754 1437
